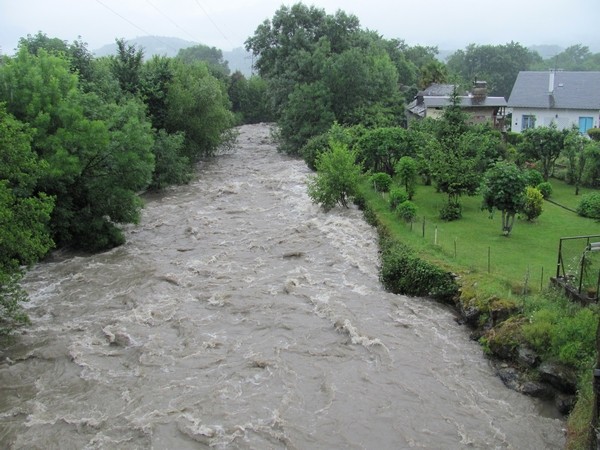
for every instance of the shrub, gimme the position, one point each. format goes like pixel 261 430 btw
pixel 513 138
pixel 594 134
pixel 313 148
pixel 545 188
pixel 397 196
pixel 451 211
pixel 532 203
pixel 406 211
pixel 381 181
pixel 402 272
pixel 534 177
pixel 589 206
pixel 337 177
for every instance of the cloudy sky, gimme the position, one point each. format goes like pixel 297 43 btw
pixel 226 24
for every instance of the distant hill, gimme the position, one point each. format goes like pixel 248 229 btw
pixel 546 51
pixel 238 58
pixel 152 45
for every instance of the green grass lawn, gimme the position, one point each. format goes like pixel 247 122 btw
pixel 468 245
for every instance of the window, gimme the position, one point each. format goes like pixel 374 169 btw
pixel 585 123
pixel 527 122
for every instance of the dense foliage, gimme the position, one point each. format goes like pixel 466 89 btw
pixel 323 68
pixel 337 177
pixel 81 137
pixel 403 272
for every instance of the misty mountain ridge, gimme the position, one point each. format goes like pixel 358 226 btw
pixel 240 59
pixel 237 59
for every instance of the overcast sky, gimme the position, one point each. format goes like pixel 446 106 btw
pixel 226 24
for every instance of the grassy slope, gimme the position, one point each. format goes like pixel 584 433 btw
pixel 531 248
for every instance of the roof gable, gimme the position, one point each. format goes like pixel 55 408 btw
pixel 568 90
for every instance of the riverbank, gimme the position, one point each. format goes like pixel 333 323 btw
pixel 503 324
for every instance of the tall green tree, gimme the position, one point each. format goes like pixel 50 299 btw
pixel 499 65
pixel 543 145
pixel 127 65
pixel 99 154
pixel 198 105
pixel 503 188
pixel 454 167
pixel 24 216
pixel 212 56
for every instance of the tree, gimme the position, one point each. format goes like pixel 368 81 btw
pixel 337 177
pixel 99 154
pixel 381 148
pixel 308 114
pixel 212 56
pixel 127 65
pixel 346 73
pixel 406 170
pixel 574 146
pixel 454 167
pixel 543 144
pixel 502 188
pixel 197 104
pixel 499 65
pixel 24 217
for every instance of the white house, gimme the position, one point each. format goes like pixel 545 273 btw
pixel 562 98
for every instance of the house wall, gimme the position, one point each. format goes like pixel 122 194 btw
pixel 563 118
pixel 475 115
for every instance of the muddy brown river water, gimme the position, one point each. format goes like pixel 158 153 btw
pixel 239 315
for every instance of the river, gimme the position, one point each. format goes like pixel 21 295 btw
pixel 239 315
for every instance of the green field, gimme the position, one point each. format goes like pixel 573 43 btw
pixel 475 244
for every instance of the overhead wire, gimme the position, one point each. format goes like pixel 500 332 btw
pixel 136 26
pixel 172 21
pixel 213 22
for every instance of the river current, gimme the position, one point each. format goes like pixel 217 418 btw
pixel 239 315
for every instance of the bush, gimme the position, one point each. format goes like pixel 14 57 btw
pixel 313 148
pixel 532 203
pixel 594 134
pixel 381 181
pixel 545 188
pixel 337 177
pixel 451 211
pixel 589 206
pixel 406 211
pixel 513 138
pixel 402 272
pixel 534 177
pixel 397 196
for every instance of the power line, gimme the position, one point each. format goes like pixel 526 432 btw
pixel 213 22
pixel 171 20
pixel 134 25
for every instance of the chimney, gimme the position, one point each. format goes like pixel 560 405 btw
pixel 551 83
pixel 479 91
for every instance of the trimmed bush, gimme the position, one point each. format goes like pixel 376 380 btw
pixel 545 188
pixel 589 206
pixel 594 134
pixel 406 211
pixel 532 203
pixel 402 272
pixel 451 211
pixel 381 181
pixel 397 196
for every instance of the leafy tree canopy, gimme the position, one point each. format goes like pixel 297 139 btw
pixel 503 189
pixel 499 65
